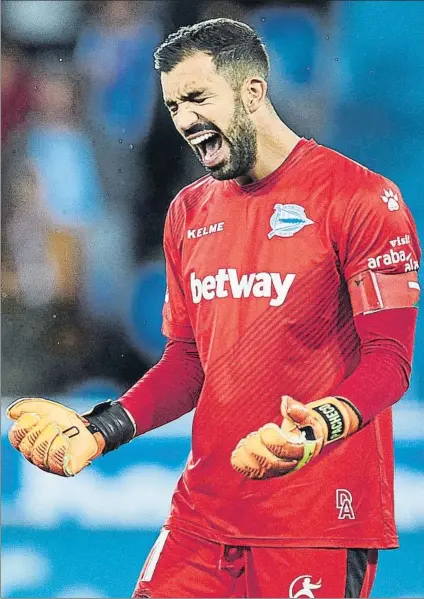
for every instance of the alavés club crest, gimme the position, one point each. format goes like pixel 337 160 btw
pixel 287 220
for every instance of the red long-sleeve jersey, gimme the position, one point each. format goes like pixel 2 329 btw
pixel 260 279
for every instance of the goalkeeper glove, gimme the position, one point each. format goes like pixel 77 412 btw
pixel 58 440
pixel 306 429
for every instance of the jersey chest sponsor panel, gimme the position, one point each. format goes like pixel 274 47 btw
pixel 233 276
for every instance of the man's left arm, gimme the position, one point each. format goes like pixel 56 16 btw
pixel 379 256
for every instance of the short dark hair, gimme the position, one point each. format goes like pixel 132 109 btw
pixel 234 47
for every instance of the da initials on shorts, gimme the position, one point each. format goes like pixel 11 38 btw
pixel 344 504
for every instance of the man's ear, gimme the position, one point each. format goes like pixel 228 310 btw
pixel 254 93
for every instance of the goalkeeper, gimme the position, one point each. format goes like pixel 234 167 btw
pixel 290 317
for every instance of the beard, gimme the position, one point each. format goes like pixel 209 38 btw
pixel 241 138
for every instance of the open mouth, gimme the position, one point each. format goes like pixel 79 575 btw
pixel 208 146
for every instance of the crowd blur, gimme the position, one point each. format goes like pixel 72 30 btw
pixel 91 160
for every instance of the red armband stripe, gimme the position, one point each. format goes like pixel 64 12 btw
pixel 371 291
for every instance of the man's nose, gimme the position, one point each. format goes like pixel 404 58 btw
pixel 185 119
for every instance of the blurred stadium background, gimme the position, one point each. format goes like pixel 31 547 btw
pixel 90 164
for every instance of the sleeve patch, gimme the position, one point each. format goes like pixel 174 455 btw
pixel 372 291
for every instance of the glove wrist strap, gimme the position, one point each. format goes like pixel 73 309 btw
pixel 340 419
pixel 111 420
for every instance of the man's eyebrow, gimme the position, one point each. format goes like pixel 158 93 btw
pixel 192 95
pixel 188 97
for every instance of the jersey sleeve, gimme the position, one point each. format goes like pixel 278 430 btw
pixel 176 322
pixel 378 248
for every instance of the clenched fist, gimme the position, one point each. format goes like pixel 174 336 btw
pixel 52 436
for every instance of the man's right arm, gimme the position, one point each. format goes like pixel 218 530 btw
pixel 59 440
pixel 168 390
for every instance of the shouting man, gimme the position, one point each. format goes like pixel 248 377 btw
pixel 290 317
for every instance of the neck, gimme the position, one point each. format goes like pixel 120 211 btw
pixel 275 141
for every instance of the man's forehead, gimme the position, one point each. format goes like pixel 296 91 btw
pixel 192 74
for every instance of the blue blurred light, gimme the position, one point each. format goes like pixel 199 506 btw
pixel 145 313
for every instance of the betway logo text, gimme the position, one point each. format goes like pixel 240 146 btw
pixel 227 282
pixel 195 233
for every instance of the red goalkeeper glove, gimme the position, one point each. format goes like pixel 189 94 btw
pixel 306 429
